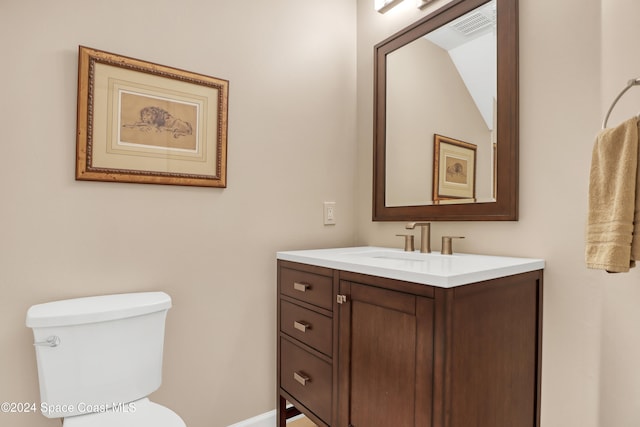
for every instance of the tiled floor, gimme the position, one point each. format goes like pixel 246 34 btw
pixel 302 422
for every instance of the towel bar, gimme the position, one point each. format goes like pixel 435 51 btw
pixel 630 83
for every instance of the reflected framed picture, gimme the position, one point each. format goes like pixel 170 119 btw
pixel 454 169
pixel 142 122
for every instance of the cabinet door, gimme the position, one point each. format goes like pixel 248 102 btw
pixel 385 359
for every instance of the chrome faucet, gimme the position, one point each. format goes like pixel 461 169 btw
pixel 425 235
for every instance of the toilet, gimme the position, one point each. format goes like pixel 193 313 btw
pixel 100 357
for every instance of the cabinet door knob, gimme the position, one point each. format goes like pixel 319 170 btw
pixel 301 378
pixel 301 326
pixel 301 287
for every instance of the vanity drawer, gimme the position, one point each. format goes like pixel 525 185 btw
pixel 306 377
pixel 313 329
pixel 308 287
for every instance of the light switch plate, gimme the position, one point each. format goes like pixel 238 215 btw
pixel 329 213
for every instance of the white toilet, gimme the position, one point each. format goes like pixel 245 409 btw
pixel 100 357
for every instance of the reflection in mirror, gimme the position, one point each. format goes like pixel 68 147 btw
pixel 446 116
pixel 443 83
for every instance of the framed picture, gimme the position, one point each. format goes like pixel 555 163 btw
pixel 147 123
pixel 454 169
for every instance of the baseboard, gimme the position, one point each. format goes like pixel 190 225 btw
pixel 268 419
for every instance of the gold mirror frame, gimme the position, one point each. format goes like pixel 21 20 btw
pixel 505 208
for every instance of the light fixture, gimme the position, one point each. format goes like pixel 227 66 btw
pixel 383 5
pixel 422 3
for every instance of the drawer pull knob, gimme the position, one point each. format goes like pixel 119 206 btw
pixel 301 287
pixel 301 378
pixel 301 326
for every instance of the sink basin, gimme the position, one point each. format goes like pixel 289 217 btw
pixel 432 269
pixel 402 255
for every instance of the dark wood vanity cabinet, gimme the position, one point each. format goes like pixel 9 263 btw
pixel 385 357
pixel 405 354
pixel 307 342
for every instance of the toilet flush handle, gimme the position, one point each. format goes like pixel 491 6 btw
pixel 52 341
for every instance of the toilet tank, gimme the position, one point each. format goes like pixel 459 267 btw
pixel 98 352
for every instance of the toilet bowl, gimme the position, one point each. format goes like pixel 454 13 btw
pixel 141 413
pixel 100 357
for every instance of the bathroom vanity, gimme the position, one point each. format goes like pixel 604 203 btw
pixel 380 337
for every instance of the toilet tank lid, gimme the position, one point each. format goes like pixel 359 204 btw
pixel 96 309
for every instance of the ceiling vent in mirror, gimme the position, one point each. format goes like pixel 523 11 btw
pixel 482 19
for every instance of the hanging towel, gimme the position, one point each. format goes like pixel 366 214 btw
pixel 614 213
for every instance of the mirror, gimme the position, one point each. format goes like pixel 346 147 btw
pixel 446 116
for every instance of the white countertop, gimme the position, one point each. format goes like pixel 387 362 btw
pixel 445 271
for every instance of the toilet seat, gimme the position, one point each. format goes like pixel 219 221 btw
pixel 141 413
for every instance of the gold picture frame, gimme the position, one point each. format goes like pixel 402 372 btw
pixel 142 122
pixel 454 169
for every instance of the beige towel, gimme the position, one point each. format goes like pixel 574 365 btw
pixel 614 208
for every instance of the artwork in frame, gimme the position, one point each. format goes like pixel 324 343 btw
pixel 454 169
pixel 142 122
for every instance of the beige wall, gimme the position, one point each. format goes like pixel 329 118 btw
pixel 292 125
pixel 620 335
pixel 575 56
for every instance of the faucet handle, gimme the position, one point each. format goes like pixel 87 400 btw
pixel 447 244
pixel 408 242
